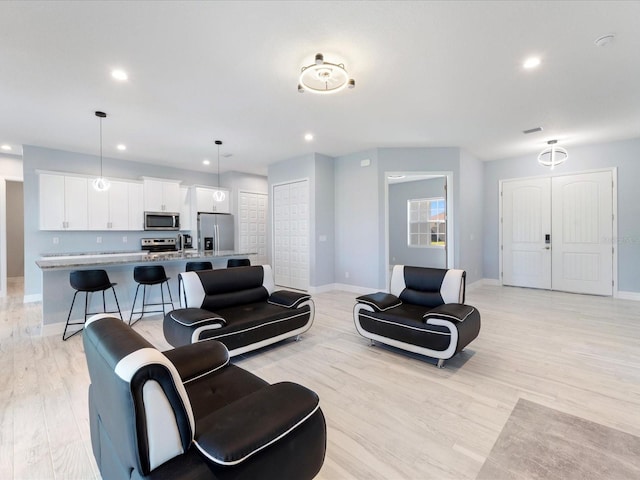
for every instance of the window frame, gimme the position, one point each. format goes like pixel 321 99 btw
pixel 442 224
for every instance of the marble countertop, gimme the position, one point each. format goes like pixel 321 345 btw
pixel 72 260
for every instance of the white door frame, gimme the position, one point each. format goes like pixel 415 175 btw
pixel 450 209
pixel 272 213
pixel 3 231
pixel 614 176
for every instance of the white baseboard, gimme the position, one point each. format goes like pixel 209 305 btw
pixel 322 288
pixel 36 297
pixel 355 289
pixel 482 282
pixel 628 296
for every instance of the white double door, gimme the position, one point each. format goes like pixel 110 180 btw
pixel 557 233
pixel 291 234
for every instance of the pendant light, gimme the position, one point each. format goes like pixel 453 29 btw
pixel 218 195
pixel 101 184
pixel 553 155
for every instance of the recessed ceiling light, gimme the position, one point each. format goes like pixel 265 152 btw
pixel 531 62
pixel 121 147
pixel 206 162
pixel 308 137
pixel 6 147
pixel 119 75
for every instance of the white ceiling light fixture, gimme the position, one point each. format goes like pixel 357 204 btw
pixel 308 137
pixel 324 77
pixel 6 147
pixel 122 147
pixel 531 62
pixel 101 184
pixel 553 155
pixel 218 195
pixel 119 75
pixel 206 162
pixel 604 40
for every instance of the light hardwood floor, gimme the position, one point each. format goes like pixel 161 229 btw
pixel 390 415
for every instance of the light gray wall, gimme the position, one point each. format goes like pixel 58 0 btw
pixel 324 228
pixel 15 230
pixel 10 166
pixel 399 251
pixel 625 155
pixel 38 243
pixel 358 220
pixel 469 213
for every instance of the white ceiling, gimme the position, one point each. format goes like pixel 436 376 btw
pixel 427 74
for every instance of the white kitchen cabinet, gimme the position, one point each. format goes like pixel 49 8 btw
pixel 136 206
pixel 109 210
pixel 63 202
pixel 212 200
pixel 185 208
pixel 161 195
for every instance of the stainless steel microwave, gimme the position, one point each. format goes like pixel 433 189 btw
pixel 161 221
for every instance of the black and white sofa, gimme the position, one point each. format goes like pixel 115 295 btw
pixel 187 413
pixel 239 307
pixel 424 313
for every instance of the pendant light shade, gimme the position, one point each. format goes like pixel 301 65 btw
pixel 552 155
pixel 101 184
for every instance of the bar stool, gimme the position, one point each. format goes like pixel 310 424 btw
pixel 191 267
pixel 89 281
pixel 149 275
pixel 238 262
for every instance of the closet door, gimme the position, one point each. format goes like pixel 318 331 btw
pixel 291 234
pixel 582 232
pixel 252 225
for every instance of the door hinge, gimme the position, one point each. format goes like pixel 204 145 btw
pixel 500 192
pixel 501 247
pixel 500 219
pixel 613 283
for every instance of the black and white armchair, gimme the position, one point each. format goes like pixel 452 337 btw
pixel 188 414
pixel 424 313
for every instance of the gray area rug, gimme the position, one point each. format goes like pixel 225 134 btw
pixel 538 442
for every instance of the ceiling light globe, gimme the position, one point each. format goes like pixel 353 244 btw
pixel 308 137
pixel 101 184
pixel 121 147
pixel 120 75
pixel 531 62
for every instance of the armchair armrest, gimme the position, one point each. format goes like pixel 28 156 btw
pixel 453 312
pixel 287 298
pixel 198 359
pixel 380 301
pixel 196 317
pixel 233 433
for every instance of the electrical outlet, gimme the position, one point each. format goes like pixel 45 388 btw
pixel 124 239
pixel 55 240
pixel 346 274
pixel 98 239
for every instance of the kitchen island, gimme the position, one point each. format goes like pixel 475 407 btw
pixel 57 292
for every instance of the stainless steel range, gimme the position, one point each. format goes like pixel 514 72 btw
pixel 159 244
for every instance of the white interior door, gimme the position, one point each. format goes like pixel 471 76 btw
pixel 526 222
pixel 291 234
pixel 557 231
pixel 582 232
pixel 252 225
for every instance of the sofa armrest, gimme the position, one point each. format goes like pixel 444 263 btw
pixel 288 299
pixel 196 317
pixel 453 312
pixel 198 359
pixel 235 432
pixel 380 301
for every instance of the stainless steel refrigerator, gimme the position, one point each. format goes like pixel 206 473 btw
pixel 215 231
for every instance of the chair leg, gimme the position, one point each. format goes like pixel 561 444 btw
pixel 133 307
pixel 64 334
pixel 170 297
pixel 162 298
pixel 117 304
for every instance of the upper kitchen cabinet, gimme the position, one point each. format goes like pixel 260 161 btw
pixel 119 208
pixel 161 195
pixel 63 202
pixel 212 200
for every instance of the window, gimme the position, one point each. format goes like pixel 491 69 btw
pixel 427 222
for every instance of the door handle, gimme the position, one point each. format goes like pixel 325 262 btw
pixel 547 247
